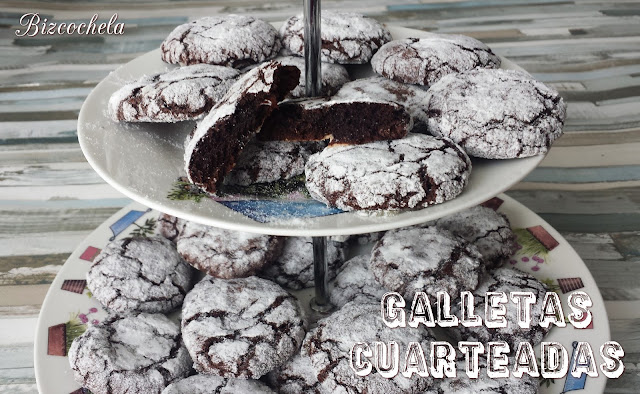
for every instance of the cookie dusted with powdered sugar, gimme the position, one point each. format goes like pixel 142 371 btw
pixel 240 328
pixel 506 280
pixel 332 76
pixel 139 275
pixel 293 269
pixel 425 60
pixel 413 98
pixel 347 38
pixel 170 227
pixel 329 346
pixel 295 377
pixel 271 161
pixel 414 172
pixel 496 114
pixel 208 384
pixel 487 230
pixel 139 353
pixel 228 40
pixel 215 145
pixel 181 94
pixel 226 253
pixel 355 282
pixel 427 259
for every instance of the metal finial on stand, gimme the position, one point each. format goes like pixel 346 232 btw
pixel 313 85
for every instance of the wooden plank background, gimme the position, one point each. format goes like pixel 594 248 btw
pixel 588 187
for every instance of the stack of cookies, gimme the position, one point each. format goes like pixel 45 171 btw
pixel 399 140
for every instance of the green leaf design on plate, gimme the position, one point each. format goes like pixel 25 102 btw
pixel 74 328
pixel 268 190
pixel 530 245
pixel 145 230
pixel 183 190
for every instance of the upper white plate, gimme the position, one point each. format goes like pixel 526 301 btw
pixel 69 309
pixel 143 161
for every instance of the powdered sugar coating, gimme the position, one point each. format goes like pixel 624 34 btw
pixel 139 274
pixel 226 253
pixel 207 384
pixel 333 76
pixel 293 269
pixel 496 114
pixel 329 346
pixel 425 60
pixel 427 259
pixel 270 161
pixel 240 327
pixel 413 172
pixel 347 37
pixel 139 353
pixel 229 40
pixel 180 94
pixel 170 227
pixel 295 377
pixel 506 280
pixel 355 282
pixel 487 230
pixel 413 98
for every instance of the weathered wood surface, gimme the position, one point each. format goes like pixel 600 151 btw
pixel 588 187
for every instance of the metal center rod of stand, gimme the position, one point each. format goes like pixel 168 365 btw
pixel 313 86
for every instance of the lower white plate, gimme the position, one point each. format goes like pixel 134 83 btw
pixel 68 308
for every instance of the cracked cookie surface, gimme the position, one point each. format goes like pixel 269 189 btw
pixel 427 259
pixel 139 353
pixel 347 37
pixel 485 228
pixel 181 94
pixel 329 346
pixel 293 269
pixel 240 327
pixel 208 384
pixel 229 40
pixel 225 253
pixel 295 377
pixel 506 280
pixel 170 227
pixel 355 282
pixel 425 60
pixel 271 161
pixel 139 274
pixel 496 114
pixel 414 172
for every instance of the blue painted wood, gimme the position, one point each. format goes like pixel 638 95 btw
pixel 584 175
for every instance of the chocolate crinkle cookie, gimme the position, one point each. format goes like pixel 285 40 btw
pixel 139 275
pixel 425 60
pixel 170 227
pixel 355 282
pixel 414 172
pixel 427 259
pixel 505 280
pixel 347 38
pixel 413 98
pixel 293 269
pixel 271 161
pixel 228 40
pixel 225 253
pixel 138 353
pixel 329 345
pixel 212 384
pixel 496 114
pixel 213 148
pixel 181 94
pixel 341 121
pixel 487 230
pixel 241 328
pixel 333 76
pixel 295 377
